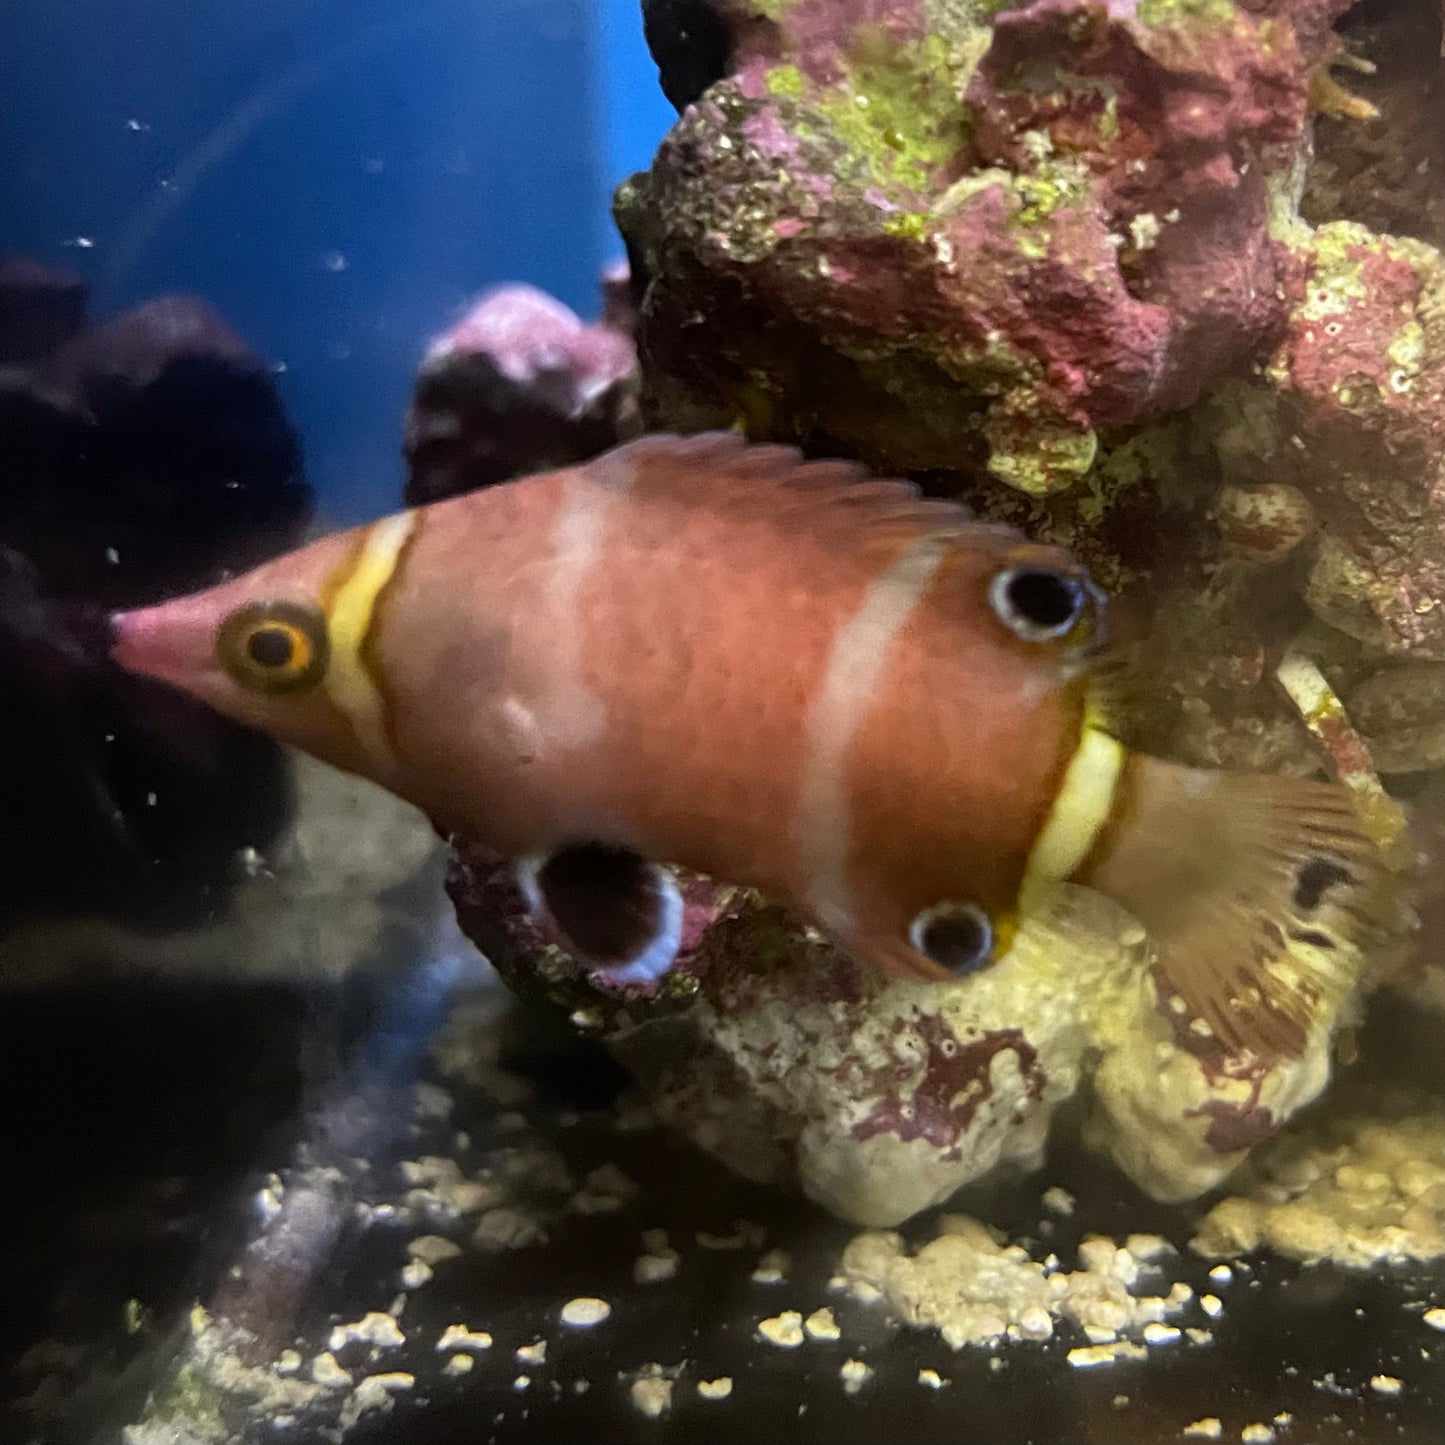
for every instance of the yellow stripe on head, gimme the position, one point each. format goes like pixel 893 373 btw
pixel 1084 802
pixel 349 619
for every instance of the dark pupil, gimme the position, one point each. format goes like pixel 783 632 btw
pixel 958 941
pixel 1046 599
pixel 270 647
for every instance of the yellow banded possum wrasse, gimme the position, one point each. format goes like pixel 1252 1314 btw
pixel 784 674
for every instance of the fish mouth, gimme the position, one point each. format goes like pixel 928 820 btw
pixel 172 643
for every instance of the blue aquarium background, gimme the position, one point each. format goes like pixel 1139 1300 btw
pixel 335 177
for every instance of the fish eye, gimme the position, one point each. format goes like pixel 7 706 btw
pixel 956 936
pixel 1038 604
pixel 274 646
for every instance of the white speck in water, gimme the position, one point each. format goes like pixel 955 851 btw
pixel 137 125
pixel 653 1268
pixel 150 800
pixel 112 556
pixel 81 243
pixel 334 260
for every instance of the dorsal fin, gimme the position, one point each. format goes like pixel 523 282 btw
pixel 720 471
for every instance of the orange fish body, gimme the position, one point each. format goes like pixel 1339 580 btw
pixel 777 672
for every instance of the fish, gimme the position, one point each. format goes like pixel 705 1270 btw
pixel 787 674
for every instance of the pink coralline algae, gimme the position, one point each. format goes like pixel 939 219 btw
pixel 940 1105
pixel 1351 413
pixel 795 1065
pixel 1048 258
pixel 937 242
pixel 519 384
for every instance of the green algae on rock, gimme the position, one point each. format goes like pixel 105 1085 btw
pixel 967 237
pixel 1049 258
pixel 1350 411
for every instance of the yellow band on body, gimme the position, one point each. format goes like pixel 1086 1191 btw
pixel 348 683
pixel 1081 809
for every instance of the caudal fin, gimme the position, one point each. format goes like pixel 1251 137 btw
pixel 1263 896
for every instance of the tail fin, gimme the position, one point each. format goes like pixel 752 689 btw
pixel 1261 895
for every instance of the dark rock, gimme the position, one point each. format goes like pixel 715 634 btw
pixel 690 41
pixel 41 308
pixel 519 385
pixel 117 797
pixel 144 457
pixel 1387 173
pixel 151 454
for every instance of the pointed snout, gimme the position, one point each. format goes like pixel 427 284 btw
pixel 175 642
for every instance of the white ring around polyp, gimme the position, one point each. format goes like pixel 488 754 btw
pixel 659 955
pixel 655 960
pixel 1013 619
pixel 918 929
pixel 527 872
